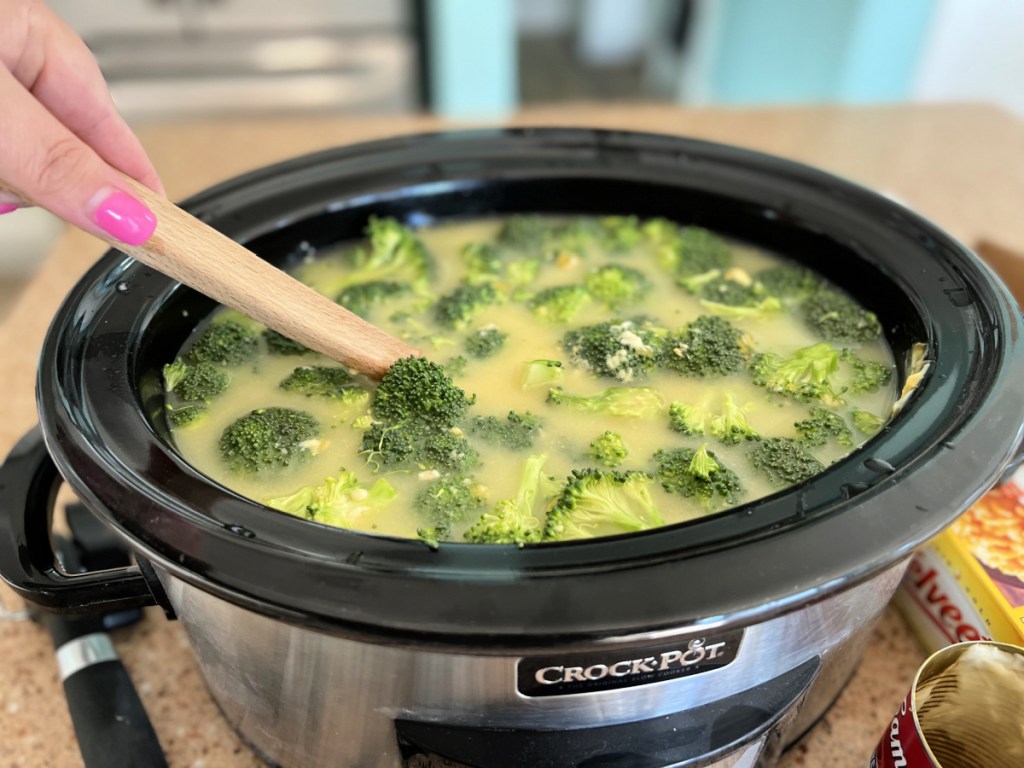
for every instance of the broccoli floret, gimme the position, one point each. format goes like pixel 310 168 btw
pixel 392 254
pixel 417 444
pixel 513 520
pixel 224 343
pixel 339 501
pixel 837 317
pixel 386 445
pixel 689 250
pixel 597 502
pixel 621 233
pixel 702 250
pixel 698 474
pixel 483 263
pixel 723 290
pixel 788 281
pixel 767 305
pixel 486 342
pixel 617 286
pixel 364 298
pixel 457 309
pixel 279 344
pixel 487 263
pixel 516 432
pixel 544 237
pixel 684 251
pixel 417 389
pixel 688 419
pixel 306 501
pixel 323 381
pixel 608 449
pixel 542 373
pixel 821 426
pixel 806 376
pixel 731 425
pixel 623 350
pixel 185 415
pixel 269 438
pixel 416 408
pixel 444 503
pixel 734 289
pixel 708 346
pixel 174 373
pixel 356 503
pixel 519 274
pixel 576 237
pixel 202 381
pixel 627 402
pixel 362 422
pixel 784 461
pixel 456 366
pixel 659 231
pixel 868 375
pixel 560 303
pixel 418 333
pixel 525 233
pixel 447 449
pixel 395 255
pixel 695 284
pixel 866 422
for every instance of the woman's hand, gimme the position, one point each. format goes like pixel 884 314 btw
pixel 62 142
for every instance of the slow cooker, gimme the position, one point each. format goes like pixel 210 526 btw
pixel 711 643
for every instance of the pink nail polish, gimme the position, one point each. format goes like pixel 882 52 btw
pixel 7 208
pixel 125 218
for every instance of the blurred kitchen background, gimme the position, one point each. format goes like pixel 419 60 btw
pixel 170 60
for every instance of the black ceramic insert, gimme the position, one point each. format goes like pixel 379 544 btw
pixel 101 409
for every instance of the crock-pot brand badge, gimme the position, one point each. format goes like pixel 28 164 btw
pixel 626 667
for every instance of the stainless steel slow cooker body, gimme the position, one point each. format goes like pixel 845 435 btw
pixel 328 647
pixel 696 696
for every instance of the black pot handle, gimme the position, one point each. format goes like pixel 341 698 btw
pixel 111 724
pixel 28 487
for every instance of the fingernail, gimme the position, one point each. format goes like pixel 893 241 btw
pixel 123 217
pixel 7 208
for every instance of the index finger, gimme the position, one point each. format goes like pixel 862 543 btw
pixel 68 82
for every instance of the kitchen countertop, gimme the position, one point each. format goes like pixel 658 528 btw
pixel 960 165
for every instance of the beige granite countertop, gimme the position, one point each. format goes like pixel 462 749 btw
pixel 962 166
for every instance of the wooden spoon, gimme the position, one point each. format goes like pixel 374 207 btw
pixel 202 258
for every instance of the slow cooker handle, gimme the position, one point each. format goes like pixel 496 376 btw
pixel 28 487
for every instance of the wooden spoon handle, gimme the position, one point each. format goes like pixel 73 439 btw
pixel 199 256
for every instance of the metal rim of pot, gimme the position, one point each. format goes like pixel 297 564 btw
pixel 100 399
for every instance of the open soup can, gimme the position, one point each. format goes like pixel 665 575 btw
pixel 965 709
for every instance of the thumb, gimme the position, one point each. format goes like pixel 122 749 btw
pixel 43 162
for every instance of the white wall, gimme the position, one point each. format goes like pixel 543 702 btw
pixel 974 52
pixel 26 237
pixel 540 18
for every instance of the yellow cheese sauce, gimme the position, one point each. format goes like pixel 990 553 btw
pixel 497 384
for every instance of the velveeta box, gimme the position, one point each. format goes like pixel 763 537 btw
pixel 968 582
